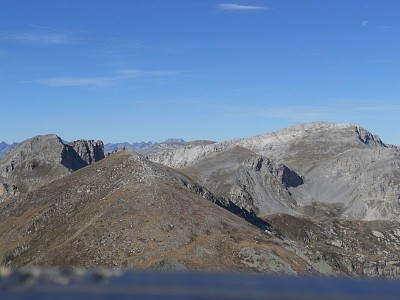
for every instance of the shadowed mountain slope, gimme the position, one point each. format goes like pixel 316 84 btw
pixel 251 181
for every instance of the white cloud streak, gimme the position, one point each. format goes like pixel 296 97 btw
pixel 308 113
pixel 75 81
pixel 37 38
pixel 380 108
pixel 128 73
pixel 232 7
pixel 100 81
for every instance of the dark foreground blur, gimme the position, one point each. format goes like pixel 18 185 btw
pixel 36 283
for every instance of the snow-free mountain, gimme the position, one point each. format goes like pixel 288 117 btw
pixel 344 169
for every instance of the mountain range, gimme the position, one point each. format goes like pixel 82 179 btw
pixel 317 198
pixel 110 147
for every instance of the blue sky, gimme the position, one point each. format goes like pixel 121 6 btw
pixel 196 69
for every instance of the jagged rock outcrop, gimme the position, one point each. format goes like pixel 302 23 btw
pixel 368 138
pixel 42 159
pixel 89 151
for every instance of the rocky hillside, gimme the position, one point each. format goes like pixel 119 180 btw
pixel 125 211
pixel 345 170
pixel 42 159
pixel 356 248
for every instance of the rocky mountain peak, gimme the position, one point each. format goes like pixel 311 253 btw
pixel 323 131
pixel 368 138
pixel 42 159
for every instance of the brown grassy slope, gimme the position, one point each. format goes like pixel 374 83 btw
pixel 125 211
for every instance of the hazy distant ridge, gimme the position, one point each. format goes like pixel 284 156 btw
pixel 4 148
pixel 109 147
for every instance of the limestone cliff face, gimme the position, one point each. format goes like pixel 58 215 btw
pixel 42 159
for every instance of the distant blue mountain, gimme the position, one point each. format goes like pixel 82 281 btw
pixel 134 146
pixel 110 147
pixel 174 140
pixel 4 148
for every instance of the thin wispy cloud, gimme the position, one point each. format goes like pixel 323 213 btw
pixel 100 81
pixel 309 113
pixel 75 81
pixel 247 89
pixel 128 73
pixel 181 102
pixel 232 7
pixel 382 107
pixel 38 38
pixel 312 113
